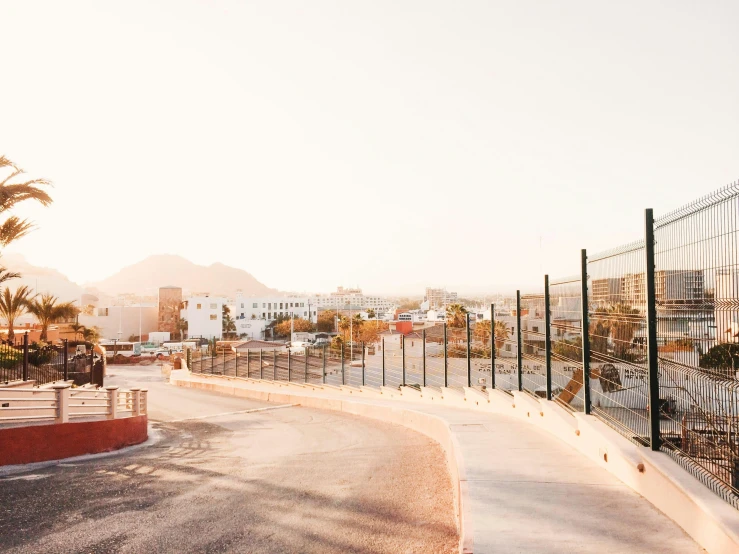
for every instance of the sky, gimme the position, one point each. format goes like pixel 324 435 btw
pixel 390 145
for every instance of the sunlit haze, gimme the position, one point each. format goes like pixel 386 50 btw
pixel 389 145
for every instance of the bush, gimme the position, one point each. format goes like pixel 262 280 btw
pixel 10 358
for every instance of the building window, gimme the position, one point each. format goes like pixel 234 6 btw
pixel 199 306
pixel 213 317
pixel 269 315
pixel 535 329
pixel 255 305
pixel 269 305
pixel 264 316
pixel 264 304
pixel 214 306
pixel 242 305
pixel 291 305
pixel 507 347
pixel 280 305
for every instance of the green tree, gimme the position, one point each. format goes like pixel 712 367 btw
pixel 77 328
pixel 13 305
pixel 326 321
pixel 91 334
pixel 300 325
pixel 456 316
pixel 722 360
pixel 48 310
pixel 14 191
pixel 356 326
pixel 371 314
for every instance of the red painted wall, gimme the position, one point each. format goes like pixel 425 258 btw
pixel 404 327
pixel 40 443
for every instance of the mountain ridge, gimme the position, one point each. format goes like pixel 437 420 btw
pixel 159 270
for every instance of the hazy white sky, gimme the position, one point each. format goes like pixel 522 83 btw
pixel 386 144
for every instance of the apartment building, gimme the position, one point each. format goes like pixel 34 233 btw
pixel 204 315
pixel 352 299
pixel 439 298
pixel 271 308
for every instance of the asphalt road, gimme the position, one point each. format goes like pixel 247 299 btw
pixel 289 479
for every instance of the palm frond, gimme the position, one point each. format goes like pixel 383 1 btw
pixel 10 195
pixel 14 228
pixel 6 275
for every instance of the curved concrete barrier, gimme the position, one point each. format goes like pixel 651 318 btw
pixel 705 517
pixel 41 443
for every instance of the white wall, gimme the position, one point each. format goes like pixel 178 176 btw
pixel 123 318
pixel 204 315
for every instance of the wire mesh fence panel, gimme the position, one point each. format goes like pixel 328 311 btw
pixel 506 347
pixel 393 361
pixel 373 365
pixel 334 371
pixel 283 365
pixel 456 353
pixel 619 381
pixel 315 356
pixel 533 354
pixel 414 359
pixel 566 331
pixel 435 356
pixel 697 304
pixel 480 351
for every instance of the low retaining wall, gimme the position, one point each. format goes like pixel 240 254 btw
pixel 41 443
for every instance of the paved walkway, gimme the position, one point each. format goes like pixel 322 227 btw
pixel 530 492
pixel 283 480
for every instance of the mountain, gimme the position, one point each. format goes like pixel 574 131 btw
pixel 41 279
pixel 145 278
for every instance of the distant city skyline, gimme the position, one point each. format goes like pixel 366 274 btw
pixel 394 146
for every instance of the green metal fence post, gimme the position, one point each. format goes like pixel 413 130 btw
pixel 343 374
pixel 274 364
pixel 289 366
pixel 306 364
pixel 469 352
pixel 424 357
pixel 248 363
pixel 261 365
pixel 224 360
pixel 492 346
pixel 548 337
pixel 402 352
pixel 655 440
pixel 363 372
pixel 446 359
pixel 383 361
pixel 212 359
pixel 324 364
pixel 519 341
pixel 237 363
pixel 585 328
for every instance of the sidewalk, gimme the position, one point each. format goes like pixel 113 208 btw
pixel 523 490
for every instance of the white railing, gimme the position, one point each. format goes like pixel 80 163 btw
pixel 62 403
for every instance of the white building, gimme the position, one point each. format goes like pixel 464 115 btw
pixel 121 322
pixel 251 328
pixel 352 299
pixel 270 308
pixel 439 298
pixel 204 315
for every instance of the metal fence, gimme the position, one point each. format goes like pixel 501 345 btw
pixel 22 361
pixel 645 337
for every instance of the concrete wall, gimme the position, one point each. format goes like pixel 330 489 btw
pixel 41 443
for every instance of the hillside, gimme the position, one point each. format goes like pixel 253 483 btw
pixel 145 278
pixel 41 279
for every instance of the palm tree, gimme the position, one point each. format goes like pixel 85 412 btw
pixel 77 328
pixel 456 315
pixel 344 324
pixel 12 193
pixel 48 310
pixel 13 305
pixel 624 322
pixel 357 323
pixel 182 327
pixel 91 334
pixel 372 314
